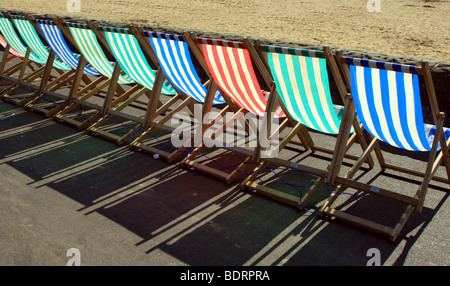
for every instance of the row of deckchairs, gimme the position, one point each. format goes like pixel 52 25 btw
pixel 127 84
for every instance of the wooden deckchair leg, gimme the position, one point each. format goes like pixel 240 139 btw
pixel 343 135
pixel 4 58
pixel 430 166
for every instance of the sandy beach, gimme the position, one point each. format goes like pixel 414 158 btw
pixel 410 28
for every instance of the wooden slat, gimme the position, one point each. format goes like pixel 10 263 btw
pixel 377 191
pixel 360 222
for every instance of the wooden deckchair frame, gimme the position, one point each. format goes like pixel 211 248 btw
pixel 311 147
pixel 412 203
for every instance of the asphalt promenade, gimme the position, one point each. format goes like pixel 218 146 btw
pixel 63 189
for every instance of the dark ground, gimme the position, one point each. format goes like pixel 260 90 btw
pixel 63 189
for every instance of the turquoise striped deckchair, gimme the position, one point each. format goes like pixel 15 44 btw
pixel 119 84
pixel 23 79
pixel 47 100
pixel 31 38
pixel 387 99
pixel 127 50
pixel 303 84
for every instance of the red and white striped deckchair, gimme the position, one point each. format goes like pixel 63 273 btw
pixel 231 65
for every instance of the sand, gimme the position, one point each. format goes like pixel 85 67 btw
pixel 408 28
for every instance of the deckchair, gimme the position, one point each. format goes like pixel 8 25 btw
pixel 231 66
pixel 129 50
pixel 80 71
pixel 22 80
pixel 117 84
pixel 173 55
pixel 302 82
pixel 49 83
pixel 387 99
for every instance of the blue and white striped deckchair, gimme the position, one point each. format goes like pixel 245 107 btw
pixel 131 50
pixel 175 59
pixel 54 37
pixel 28 27
pixel 387 99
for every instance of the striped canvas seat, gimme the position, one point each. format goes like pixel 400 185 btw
pixel 11 50
pixel 87 42
pixel 55 39
pixel 14 41
pixel 130 56
pixel 302 82
pixel 175 59
pixel 388 103
pixel 231 67
pixel 33 41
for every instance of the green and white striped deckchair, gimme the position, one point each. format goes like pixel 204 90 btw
pixel 119 84
pixel 127 50
pixel 303 85
pixel 23 79
pixel 31 38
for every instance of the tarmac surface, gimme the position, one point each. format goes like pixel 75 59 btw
pixel 62 189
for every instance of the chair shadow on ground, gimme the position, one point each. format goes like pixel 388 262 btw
pixel 196 219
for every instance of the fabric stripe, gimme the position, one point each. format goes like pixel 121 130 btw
pixel 381 65
pixel 293 51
